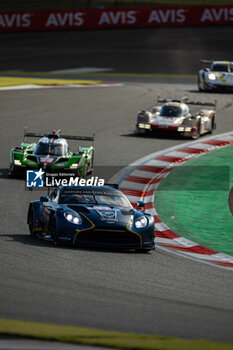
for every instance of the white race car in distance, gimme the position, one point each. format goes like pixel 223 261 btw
pixel 219 77
pixel 183 117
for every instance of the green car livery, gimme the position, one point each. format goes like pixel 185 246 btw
pixel 52 154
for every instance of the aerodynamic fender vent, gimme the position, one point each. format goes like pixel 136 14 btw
pixel 127 211
pixel 78 208
pixel 19 149
pixel 62 160
pixel 33 158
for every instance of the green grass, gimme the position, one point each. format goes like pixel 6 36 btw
pixel 22 5
pixel 104 338
pixel 193 200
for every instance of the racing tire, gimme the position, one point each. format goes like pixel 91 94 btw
pixel 213 125
pixel 198 134
pixel 12 172
pixel 52 228
pixel 83 176
pixel 31 221
pixel 204 88
pixel 85 171
pixel 91 167
pixel 140 132
pixel 143 251
pixel 199 85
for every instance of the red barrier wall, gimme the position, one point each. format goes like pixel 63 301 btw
pixel 116 18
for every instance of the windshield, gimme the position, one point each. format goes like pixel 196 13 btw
pixel 110 199
pixel 77 199
pixel 113 200
pixel 170 111
pixel 220 68
pixel 54 149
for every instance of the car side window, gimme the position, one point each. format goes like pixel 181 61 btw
pixel 54 196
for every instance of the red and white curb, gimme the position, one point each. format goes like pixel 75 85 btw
pixel 35 86
pixel 141 183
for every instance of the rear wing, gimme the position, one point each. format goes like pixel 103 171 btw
pixel 208 61
pixel 56 135
pixel 186 100
pixel 80 138
pixel 199 103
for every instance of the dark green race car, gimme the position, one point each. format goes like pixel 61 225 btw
pixel 52 154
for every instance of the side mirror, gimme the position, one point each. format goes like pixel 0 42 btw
pixel 44 199
pixel 141 205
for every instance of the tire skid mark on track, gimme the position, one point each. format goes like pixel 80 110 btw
pixel 153 171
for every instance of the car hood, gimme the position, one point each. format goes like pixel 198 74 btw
pixel 224 76
pixel 104 215
pixel 168 120
pixel 45 161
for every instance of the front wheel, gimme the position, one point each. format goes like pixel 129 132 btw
pixel 12 171
pixel 139 132
pixel 144 250
pixel 213 125
pixel 31 221
pixel 200 88
pixel 197 135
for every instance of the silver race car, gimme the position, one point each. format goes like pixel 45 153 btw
pixel 183 117
pixel 219 77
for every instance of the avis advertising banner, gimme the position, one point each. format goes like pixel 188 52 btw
pixel 116 18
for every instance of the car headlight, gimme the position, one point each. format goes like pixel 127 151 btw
pixel 144 126
pixel 74 219
pixel 17 162
pixel 74 166
pixel 211 76
pixel 141 222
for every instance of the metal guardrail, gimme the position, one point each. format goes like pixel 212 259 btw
pixel 34 5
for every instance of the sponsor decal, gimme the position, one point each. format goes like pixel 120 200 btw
pixel 46 160
pixel 109 216
pixel 65 19
pixel 166 16
pixel 101 208
pixel 117 18
pixel 217 15
pixel 15 20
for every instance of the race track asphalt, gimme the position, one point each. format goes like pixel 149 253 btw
pixel 156 293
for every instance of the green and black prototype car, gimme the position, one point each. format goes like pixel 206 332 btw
pixel 52 154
